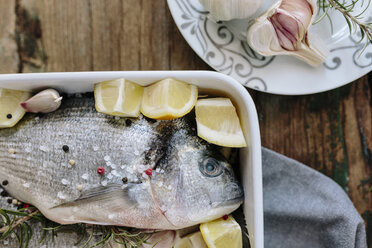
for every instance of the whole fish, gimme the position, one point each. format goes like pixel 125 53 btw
pixel 51 162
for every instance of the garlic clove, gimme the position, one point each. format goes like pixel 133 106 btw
pixel 45 101
pixel 224 10
pixel 284 30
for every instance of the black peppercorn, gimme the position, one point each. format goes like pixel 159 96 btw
pixel 65 148
pixel 9 201
pixel 5 182
pixel 125 180
pixel 9 116
pixel 4 193
pixel 128 122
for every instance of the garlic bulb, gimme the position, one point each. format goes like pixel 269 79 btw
pixel 224 10
pixel 45 101
pixel 283 29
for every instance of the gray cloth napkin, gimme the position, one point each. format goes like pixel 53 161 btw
pixel 304 208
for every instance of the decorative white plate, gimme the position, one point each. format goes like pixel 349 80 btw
pixel 222 46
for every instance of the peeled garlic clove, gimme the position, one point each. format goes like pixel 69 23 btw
pixel 284 29
pixel 224 10
pixel 45 101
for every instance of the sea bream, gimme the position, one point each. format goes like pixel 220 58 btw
pixel 51 162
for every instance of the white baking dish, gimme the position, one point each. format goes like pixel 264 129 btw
pixel 250 157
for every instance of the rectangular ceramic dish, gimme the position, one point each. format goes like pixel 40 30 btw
pixel 250 157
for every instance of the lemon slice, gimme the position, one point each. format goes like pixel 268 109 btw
pixel 118 97
pixel 168 99
pixel 194 240
pixel 10 106
pixel 222 233
pixel 218 122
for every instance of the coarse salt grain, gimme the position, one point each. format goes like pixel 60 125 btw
pixel 109 176
pixel 95 148
pixel 61 196
pixel 85 176
pixel 26 185
pixel 115 173
pixel 107 158
pixel 104 183
pixel 65 181
pixel 43 148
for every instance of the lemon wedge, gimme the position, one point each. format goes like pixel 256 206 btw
pixel 194 240
pixel 11 111
pixel 218 122
pixel 168 99
pixel 222 233
pixel 118 97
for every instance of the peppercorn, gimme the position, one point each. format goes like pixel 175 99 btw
pixel 100 170
pixel 148 172
pixel 65 148
pixel 128 122
pixel 5 182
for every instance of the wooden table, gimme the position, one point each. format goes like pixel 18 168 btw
pixel 331 132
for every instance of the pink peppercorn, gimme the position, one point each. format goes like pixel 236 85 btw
pixel 100 170
pixel 225 217
pixel 148 172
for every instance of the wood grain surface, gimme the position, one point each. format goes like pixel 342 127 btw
pixel 330 132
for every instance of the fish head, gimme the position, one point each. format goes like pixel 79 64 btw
pixel 201 187
pixel 219 190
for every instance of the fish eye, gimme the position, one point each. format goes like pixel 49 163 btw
pixel 211 167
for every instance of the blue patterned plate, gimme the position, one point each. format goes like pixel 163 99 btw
pixel 225 49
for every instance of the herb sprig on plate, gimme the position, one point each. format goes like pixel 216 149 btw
pixel 355 21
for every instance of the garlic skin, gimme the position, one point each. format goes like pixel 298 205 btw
pixel 45 101
pixel 224 10
pixel 284 30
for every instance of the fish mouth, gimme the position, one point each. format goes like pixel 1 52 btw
pixel 233 201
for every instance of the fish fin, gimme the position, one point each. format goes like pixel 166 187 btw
pixel 112 194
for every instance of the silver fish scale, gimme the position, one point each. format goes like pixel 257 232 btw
pixel 78 125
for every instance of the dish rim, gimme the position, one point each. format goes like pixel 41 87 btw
pixel 61 80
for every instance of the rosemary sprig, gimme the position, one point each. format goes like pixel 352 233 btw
pixel 354 21
pixel 18 224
